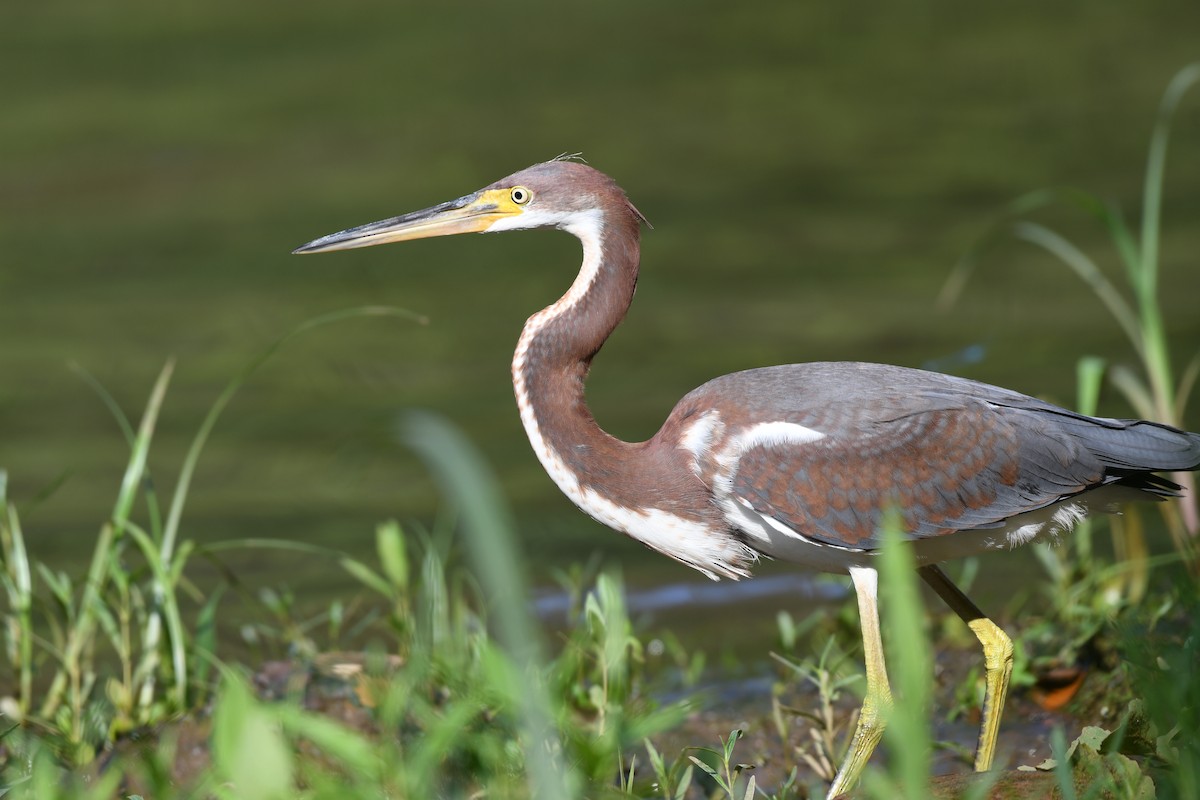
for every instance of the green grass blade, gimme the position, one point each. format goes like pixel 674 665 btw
pixel 393 558
pixel 60 588
pixel 981 787
pixel 1156 162
pixel 136 468
pixel 171 528
pixel 367 576
pixel 273 544
pixel 1109 217
pixel 166 605
pixel 491 544
pixel 1122 237
pixel 429 752
pixel 204 638
pixel 47 491
pixel 1106 214
pixel 705 768
pixel 248 748
pixel 109 401
pixel 1156 356
pixel 1089 375
pixel 957 280
pixel 903 618
pixel 1135 391
pixel 80 633
pixel 19 583
pixel 961 273
pixel 1088 272
pixel 1062 765
pixel 355 752
pixel 1187 381
pixel 433 618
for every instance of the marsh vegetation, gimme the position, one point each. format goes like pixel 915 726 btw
pixel 203 597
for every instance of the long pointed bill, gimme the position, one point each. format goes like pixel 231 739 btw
pixel 474 213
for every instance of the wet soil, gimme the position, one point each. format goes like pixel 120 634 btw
pixel 332 686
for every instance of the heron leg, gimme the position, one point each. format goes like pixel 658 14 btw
pixel 878 702
pixel 997 659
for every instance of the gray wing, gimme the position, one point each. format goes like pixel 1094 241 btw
pixel 948 453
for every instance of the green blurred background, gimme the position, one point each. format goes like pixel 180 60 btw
pixel 812 171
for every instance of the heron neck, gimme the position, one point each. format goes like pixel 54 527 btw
pixel 645 489
pixel 558 343
pixel 555 352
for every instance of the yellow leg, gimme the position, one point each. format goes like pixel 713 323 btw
pixel 997 659
pixel 878 702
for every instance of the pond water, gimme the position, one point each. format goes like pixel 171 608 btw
pixel 812 175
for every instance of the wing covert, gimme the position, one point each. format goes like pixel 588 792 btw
pixel 946 468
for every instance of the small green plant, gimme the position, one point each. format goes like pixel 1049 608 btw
pixel 671 782
pixel 130 605
pixel 1162 645
pixel 828 730
pixel 1154 393
pixel 113 649
pixel 724 771
pixel 471 713
pixel 466 714
pixel 1086 592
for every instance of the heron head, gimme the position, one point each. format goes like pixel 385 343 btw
pixel 555 194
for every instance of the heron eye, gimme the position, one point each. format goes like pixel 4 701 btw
pixel 520 195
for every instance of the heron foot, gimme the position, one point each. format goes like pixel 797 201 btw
pixel 872 719
pixel 998 662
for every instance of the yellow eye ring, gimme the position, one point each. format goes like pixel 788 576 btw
pixel 520 195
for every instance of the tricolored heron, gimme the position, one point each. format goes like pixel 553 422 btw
pixel 796 462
